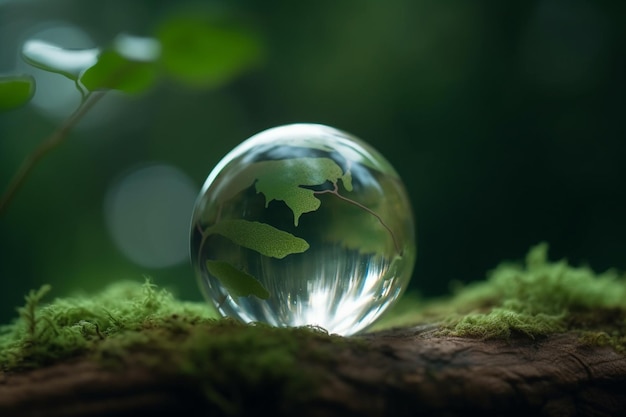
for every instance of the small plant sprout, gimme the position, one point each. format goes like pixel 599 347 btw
pixel 198 51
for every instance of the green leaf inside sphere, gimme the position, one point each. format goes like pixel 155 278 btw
pixel 238 283
pixel 284 179
pixel 261 237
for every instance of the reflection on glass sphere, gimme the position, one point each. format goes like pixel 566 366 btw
pixel 303 225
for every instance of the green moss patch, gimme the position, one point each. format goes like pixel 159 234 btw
pixel 71 326
pixel 132 324
pixel 533 299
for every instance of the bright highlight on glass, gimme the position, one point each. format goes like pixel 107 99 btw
pixel 303 225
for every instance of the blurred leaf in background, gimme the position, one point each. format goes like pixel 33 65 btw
pixel 113 71
pixel 206 52
pixel 15 91
pixel 53 58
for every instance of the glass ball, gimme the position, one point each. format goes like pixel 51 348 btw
pixel 303 225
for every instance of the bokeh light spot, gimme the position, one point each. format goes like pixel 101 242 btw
pixel 137 48
pixel 148 214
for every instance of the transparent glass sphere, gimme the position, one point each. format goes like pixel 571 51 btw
pixel 300 225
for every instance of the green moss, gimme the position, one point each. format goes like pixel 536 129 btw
pixel 70 326
pixel 148 324
pixel 140 324
pixel 536 298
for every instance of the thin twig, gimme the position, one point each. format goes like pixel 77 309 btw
pixel 335 191
pixel 54 140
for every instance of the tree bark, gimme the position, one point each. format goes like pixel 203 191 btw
pixel 402 372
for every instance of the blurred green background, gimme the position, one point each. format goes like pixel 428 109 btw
pixel 504 118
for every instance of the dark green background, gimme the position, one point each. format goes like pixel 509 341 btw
pixel 505 119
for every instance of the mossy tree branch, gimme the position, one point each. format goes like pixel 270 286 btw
pixel 401 372
pixel 542 339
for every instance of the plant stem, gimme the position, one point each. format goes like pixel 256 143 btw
pixel 335 191
pixel 51 142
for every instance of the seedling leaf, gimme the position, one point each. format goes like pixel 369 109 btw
pixel 116 72
pixel 15 90
pixel 53 58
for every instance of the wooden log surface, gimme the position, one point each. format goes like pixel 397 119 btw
pixel 401 372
